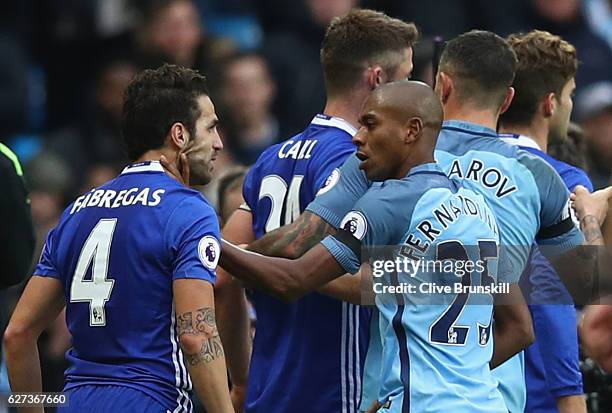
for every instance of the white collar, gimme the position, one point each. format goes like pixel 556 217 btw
pixel 335 122
pixel 519 140
pixel 146 166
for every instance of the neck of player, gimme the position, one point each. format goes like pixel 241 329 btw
pixel 420 155
pixel 156 154
pixel 346 107
pixel 536 131
pixel 467 113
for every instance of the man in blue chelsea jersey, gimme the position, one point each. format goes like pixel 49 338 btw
pixel 539 114
pixel 309 355
pixel 133 262
pixel 399 125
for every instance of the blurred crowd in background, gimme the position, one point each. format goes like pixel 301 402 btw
pixel 64 65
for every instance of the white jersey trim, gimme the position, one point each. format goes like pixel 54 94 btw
pixel 520 140
pixel 334 122
pixel 148 166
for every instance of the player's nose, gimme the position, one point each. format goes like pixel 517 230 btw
pixel 359 137
pixel 217 142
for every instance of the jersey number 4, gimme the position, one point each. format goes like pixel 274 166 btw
pixel 275 188
pixel 96 291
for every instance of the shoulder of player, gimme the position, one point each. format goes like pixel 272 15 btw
pixel 405 192
pixel 535 165
pixel 448 141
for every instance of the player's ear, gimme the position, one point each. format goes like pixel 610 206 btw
pixel 375 77
pixel 444 87
pixel 178 135
pixel 549 105
pixel 414 128
pixel 507 100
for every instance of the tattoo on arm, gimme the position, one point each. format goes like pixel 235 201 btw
pixel 201 323
pixel 591 230
pixel 292 241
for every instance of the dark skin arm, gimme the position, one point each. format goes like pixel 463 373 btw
pixel 281 277
pixel 585 270
pixel 513 329
pixel 293 240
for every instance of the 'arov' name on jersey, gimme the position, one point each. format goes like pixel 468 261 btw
pixel 489 177
pixel 107 198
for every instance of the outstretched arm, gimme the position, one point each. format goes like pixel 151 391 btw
pixel 283 278
pixel 585 270
pixel 293 240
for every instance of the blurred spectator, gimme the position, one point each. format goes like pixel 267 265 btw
pixel 449 18
pixel 246 97
pixel 66 38
pixel 599 15
pixel 13 86
pixel 101 132
pixel 172 31
pixel 565 18
pixel 594 111
pixel 229 192
pixel 294 59
pixel 422 59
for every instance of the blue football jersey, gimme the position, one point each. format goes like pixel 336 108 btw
pixel 116 251
pixel 308 355
pixel 527 196
pixel 552 366
pixel 444 349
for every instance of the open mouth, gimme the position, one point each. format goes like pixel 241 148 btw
pixel 361 156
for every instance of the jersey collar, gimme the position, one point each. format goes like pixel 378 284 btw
pixel 334 122
pixel 519 140
pixel 468 127
pixel 431 167
pixel 146 166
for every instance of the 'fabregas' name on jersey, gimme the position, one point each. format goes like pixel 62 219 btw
pixel 108 198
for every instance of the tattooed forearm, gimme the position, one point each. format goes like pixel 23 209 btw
pixel 591 230
pixel 211 349
pixel 201 324
pixel 292 241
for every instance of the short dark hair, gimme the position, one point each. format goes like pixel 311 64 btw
pixel 358 37
pixel 545 64
pixel 482 66
pixel 156 99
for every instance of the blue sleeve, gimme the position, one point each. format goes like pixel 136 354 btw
pixel 577 177
pixel 193 236
pixel 338 197
pixel 557 336
pixel 327 162
pixel 46 266
pixel 557 227
pixel 371 223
